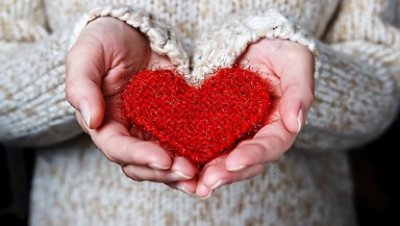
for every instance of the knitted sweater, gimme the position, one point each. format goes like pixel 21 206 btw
pixel 357 76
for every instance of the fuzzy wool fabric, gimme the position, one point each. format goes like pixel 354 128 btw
pixel 356 44
pixel 187 120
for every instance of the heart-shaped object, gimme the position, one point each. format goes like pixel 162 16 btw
pixel 199 123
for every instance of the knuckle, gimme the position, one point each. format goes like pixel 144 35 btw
pixel 105 150
pixel 269 150
pixel 215 175
pixel 258 150
pixel 159 177
pixel 309 92
pixel 109 154
pixel 279 146
pixel 71 91
pixel 137 152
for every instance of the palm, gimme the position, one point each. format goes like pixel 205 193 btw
pixel 255 61
pixel 289 68
pixel 104 57
pixel 115 81
pixel 269 69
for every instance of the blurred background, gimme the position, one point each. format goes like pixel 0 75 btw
pixel 375 175
pixel 374 170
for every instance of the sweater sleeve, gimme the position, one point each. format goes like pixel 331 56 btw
pixel 369 31
pixel 354 101
pixel 33 108
pixel 364 44
pixel 22 21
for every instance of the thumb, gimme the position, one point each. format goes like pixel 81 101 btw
pixel 297 84
pixel 85 69
pixel 292 109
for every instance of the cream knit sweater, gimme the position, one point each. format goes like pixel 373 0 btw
pixel 357 49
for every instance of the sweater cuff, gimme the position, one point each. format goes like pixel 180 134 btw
pixel 162 38
pixel 222 45
pixel 355 102
pixel 352 105
pixel 33 109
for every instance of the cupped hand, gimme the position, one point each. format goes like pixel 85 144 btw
pixel 289 67
pixel 99 64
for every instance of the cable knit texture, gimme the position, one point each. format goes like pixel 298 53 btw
pixel 33 110
pixel 162 39
pixel 376 40
pixel 23 20
pixel 357 47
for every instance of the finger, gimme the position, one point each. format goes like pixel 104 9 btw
pixel 180 170
pixel 297 84
pixel 187 186
pixel 114 140
pixel 143 173
pixel 215 176
pixel 266 146
pixel 85 69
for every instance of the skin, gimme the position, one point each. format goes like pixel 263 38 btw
pixel 109 51
pixel 289 67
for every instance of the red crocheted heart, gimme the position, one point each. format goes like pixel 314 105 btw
pixel 198 123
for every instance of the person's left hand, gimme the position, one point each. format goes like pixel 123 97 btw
pixel 289 67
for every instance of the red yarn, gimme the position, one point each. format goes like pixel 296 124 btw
pixel 198 123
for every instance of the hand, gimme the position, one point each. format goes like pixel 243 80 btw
pixel 105 55
pixel 289 67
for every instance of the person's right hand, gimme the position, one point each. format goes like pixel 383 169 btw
pixel 105 55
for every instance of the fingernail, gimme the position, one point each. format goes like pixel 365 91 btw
pixel 300 119
pixel 204 191
pixel 233 167
pixel 183 189
pixel 157 166
pixel 84 108
pixel 176 175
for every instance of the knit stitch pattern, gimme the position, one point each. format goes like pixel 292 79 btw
pixel 356 48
